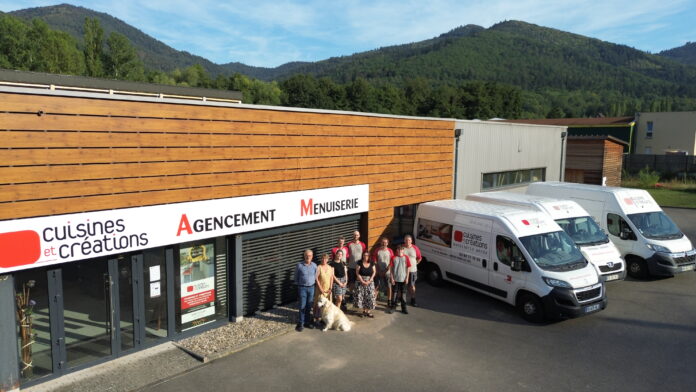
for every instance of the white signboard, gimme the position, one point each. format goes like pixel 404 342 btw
pixel 37 242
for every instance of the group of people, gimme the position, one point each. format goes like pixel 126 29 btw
pixel 352 270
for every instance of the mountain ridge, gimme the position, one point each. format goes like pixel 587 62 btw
pixel 552 67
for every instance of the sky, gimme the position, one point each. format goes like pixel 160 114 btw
pixel 268 33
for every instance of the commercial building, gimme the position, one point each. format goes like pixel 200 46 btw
pixel 499 155
pixel 666 133
pixel 129 218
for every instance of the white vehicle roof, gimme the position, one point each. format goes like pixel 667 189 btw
pixel 520 221
pixel 630 200
pixel 556 208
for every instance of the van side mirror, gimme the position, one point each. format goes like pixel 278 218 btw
pixel 626 234
pixel 516 265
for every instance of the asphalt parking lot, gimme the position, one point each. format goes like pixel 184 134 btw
pixel 459 340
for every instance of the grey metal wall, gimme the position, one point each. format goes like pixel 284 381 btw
pixel 496 146
pixel 269 259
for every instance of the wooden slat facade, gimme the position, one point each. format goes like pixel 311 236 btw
pixel 613 162
pixel 62 155
pixel 589 159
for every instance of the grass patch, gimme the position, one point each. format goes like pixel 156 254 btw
pixel 672 193
pixel 674 198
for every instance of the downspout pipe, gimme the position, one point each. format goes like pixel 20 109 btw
pixel 457 133
pixel 560 171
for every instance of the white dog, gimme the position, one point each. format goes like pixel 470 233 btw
pixel 332 316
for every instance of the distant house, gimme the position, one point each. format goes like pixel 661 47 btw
pixel 594 160
pixel 621 128
pixel 666 133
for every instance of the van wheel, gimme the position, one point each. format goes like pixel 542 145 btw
pixel 434 275
pixel 637 267
pixel 530 308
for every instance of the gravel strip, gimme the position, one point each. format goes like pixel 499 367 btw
pixel 232 337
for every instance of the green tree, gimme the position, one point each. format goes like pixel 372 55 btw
pixel 53 51
pixel 301 91
pixel 361 96
pixel 94 45
pixel 122 59
pixel 195 76
pixel 14 46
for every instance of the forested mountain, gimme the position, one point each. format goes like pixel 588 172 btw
pixel 155 54
pixel 684 54
pixel 579 74
pixel 511 69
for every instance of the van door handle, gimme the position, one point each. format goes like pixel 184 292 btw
pixel 483 263
pixel 495 266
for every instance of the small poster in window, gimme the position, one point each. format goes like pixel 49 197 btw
pixel 155 290
pixel 154 273
pixel 197 274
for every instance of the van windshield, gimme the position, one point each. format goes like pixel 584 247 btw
pixel 656 225
pixel 583 230
pixel 554 251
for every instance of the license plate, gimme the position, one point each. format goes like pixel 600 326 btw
pixel 592 308
pixel 687 268
pixel 611 277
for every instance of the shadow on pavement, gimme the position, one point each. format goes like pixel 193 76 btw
pixel 460 301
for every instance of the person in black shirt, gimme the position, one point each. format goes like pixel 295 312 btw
pixel 365 287
pixel 340 278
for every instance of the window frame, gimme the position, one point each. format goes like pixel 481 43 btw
pixel 512 178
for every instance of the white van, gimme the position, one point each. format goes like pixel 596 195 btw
pixel 575 221
pixel 647 238
pixel 517 255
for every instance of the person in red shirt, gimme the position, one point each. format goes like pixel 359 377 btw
pixel 381 257
pixel 342 258
pixel 399 276
pixel 412 251
pixel 341 246
pixel 356 248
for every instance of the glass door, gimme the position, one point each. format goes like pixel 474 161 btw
pixel 101 308
pixel 87 311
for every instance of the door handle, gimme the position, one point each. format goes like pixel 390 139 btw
pixel 483 263
pixel 495 266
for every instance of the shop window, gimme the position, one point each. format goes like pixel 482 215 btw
pixel 33 324
pixel 201 282
pixel 512 178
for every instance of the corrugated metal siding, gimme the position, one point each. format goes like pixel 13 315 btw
pixel 268 263
pixel 489 147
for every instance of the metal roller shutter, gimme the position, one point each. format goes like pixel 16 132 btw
pixel 269 258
